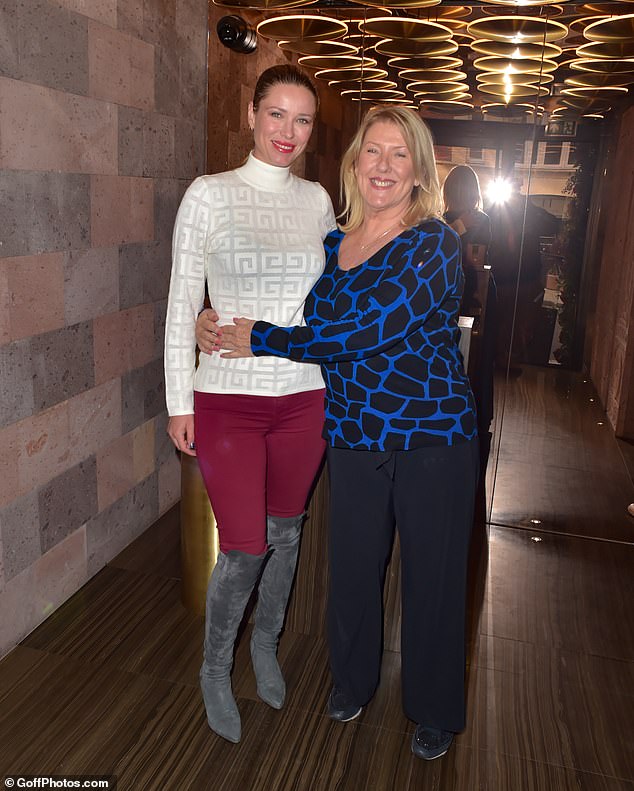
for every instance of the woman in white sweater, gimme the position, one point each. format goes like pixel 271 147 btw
pixel 254 236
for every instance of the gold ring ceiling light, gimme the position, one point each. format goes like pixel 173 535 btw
pixel 595 80
pixel 405 28
pixel 415 48
pixel 387 4
pixel 518 29
pixel 613 29
pixel 311 46
pixel 300 26
pixel 432 64
pixel 336 62
pixel 516 66
pixel 506 49
pixel 591 65
pixel 357 75
pixel 264 5
pixel 430 75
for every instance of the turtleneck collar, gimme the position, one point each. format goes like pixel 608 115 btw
pixel 263 176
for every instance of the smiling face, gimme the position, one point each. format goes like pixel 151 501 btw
pixel 282 123
pixel 384 170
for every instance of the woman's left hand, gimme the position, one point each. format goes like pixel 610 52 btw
pixel 235 340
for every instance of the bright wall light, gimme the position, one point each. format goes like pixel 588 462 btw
pixel 499 190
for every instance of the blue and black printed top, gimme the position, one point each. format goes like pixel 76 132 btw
pixel 386 335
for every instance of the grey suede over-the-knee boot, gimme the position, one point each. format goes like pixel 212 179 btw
pixel 275 585
pixel 230 586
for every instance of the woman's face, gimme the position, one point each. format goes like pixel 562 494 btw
pixel 282 124
pixel 385 170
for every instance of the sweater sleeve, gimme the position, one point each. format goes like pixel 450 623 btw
pixel 418 279
pixel 186 297
pixel 329 222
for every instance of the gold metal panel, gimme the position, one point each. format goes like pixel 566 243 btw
pixel 526 50
pixel 500 78
pixel 515 66
pixel 430 75
pixel 437 87
pixel 603 66
pixel 515 91
pixel 589 80
pixel 430 64
pixel 199 537
pixel 336 62
pixel 412 47
pixel 518 29
pixel 406 27
pixel 618 29
pixel 351 74
pixel 607 50
pixel 296 26
pixel 607 92
pixel 264 5
pixel 311 46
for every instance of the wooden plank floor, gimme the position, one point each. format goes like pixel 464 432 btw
pixel 108 684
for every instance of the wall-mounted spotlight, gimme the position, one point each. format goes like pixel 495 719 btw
pixel 236 34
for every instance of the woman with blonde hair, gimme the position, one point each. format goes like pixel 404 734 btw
pixel 400 424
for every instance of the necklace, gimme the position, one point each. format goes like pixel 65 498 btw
pixel 379 237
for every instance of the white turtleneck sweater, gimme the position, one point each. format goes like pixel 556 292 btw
pixel 255 235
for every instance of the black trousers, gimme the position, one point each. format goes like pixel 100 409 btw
pixel 428 493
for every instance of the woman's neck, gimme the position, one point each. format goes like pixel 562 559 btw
pixel 264 176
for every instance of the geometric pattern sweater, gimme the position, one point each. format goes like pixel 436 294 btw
pixel 386 335
pixel 255 236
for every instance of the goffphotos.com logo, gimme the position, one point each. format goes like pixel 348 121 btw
pixel 57 781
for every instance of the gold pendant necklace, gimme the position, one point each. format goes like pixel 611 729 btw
pixel 379 237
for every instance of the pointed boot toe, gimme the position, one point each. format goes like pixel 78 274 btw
pixel 223 716
pixel 271 686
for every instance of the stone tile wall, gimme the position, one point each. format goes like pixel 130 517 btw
pixel 103 117
pixel 612 332
pixel 102 127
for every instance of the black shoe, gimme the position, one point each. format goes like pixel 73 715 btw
pixel 430 743
pixel 341 708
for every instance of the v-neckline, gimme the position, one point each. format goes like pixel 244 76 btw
pixel 365 261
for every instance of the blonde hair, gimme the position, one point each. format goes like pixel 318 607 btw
pixel 426 196
pixel 461 190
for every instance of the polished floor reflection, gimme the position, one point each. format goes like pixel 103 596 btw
pixel 108 685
